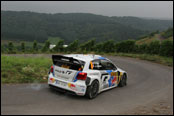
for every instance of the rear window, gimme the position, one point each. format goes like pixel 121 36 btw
pixel 69 63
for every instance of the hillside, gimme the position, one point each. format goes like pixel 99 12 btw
pixel 29 26
pixel 164 35
pixel 145 24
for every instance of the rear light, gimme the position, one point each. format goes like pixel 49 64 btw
pixel 81 76
pixel 51 70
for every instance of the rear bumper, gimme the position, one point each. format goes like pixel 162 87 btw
pixel 61 90
pixel 75 88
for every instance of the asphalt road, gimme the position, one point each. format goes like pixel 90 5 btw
pixel 148 83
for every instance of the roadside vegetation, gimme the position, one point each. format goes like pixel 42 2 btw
pixel 28 70
pixel 24 70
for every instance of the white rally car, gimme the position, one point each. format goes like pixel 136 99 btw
pixel 84 74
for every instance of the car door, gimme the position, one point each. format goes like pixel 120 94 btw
pixel 109 76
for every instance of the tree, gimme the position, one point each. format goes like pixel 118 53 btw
pixel 35 47
pixel 73 47
pixel 23 47
pixel 143 48
pixel 166 48
pixel 99 47
pixel 46 46
pixel 153 47
pixel 59 46
pixel 88 46
pixel 2 49
pixel 10 47
pixel 109 46
pixel 127 46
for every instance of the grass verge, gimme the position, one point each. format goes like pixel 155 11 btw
pixel 17 69
pixel 24 70
pixel 168 61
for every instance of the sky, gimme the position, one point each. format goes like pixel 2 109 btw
pixel 149 9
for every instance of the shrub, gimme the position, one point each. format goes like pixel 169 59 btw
pixel 166 48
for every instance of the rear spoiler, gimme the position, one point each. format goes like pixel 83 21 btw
pixel 70 60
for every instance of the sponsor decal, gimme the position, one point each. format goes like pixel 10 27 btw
pixel 64 72
pixel 52 80
pixel 113 78
pixel 72 86
pixel 113 73
pixel 93 73
pixel 102 58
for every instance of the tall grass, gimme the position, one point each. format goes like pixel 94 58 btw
pixel 24 70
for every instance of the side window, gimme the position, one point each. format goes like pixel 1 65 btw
pixel 107 65
pixel 95 65
pixel 111 66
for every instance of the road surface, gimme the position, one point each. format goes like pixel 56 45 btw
pixel 150 87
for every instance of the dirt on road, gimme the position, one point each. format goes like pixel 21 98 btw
pixel 149 91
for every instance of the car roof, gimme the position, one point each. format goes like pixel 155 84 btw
pixel 85 57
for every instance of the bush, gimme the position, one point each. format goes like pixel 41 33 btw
pixel 166 48
pixel 153 47
pixel 127 46
pixel 168 33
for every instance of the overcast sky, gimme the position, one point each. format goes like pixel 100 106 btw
pixel 153 9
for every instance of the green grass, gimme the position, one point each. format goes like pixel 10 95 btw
pixel 18 69
pixel 156 37
pixel 24 70
pixel 168 61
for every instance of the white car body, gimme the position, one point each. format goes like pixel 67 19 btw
pixel 64 78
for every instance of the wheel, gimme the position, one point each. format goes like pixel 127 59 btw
pixel 92 90
pixel 123 81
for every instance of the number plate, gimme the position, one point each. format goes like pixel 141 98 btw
pixel 61 83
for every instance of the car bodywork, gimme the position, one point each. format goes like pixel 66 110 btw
pixel 76 72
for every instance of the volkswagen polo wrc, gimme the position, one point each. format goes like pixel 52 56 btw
pixel 85 74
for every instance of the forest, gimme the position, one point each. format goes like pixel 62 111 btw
pixel 30 26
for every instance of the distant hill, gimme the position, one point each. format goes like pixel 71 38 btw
pixel 29 26
pixel 164 35
pixel 145 24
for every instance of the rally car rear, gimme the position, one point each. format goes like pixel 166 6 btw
pixel 67 75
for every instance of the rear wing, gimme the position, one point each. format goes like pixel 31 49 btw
pixel 61 61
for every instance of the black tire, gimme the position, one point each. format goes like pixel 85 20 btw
pixel 123 81
pixel 92 90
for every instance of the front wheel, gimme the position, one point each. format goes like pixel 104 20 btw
pixel 123 81
pixel 92 90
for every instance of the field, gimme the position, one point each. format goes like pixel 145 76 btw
pixel 156 37
pixel 24 70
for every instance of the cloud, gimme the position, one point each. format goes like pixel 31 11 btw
pixel 158 9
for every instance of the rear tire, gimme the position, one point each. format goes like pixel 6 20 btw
pixel 92 90
pixel 123 81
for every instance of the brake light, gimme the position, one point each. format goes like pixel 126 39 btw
pixel 51 69
pixel 81 76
